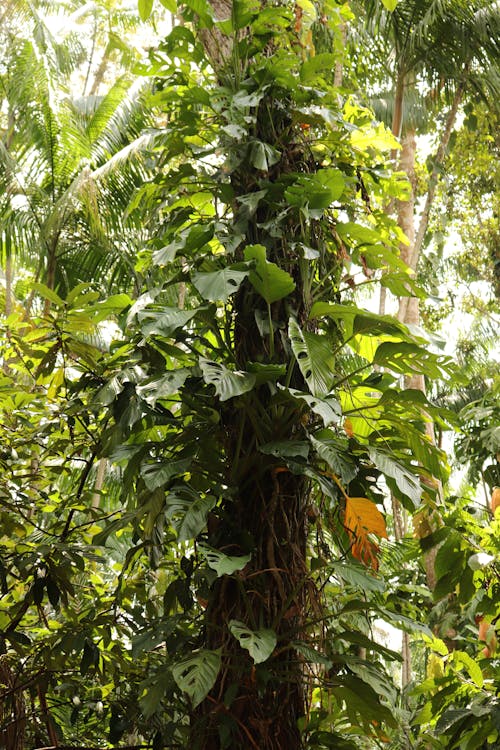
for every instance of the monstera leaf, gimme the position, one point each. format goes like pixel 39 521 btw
pixel 314 355
pixel 221 563
pixel 196 675
pixel 188 514
pixel 270 281
pixel 260 644
pixel 228 384
pixel 219 285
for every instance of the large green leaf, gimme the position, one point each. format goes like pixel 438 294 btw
pixel 311 655
pixel 262 155
pixel 406 481
pixel 164 387
pixel 316 191
pixel 472 667
pixel 317 64
pixel 351 231
pixel 407 358
pixel 164 322
pixel 219 285
pixel 157 474
pixel 390 4
pixel 359 321
pixel 189 513
pixel 270 281
pixel 266 372
pixel 228 384
pixel 154 689
pixel 260 644
pixel 145 7
pixel 357 575
pixel 328 448
pixel 314 354
pixel 362 701
pixel 327 408
pixel 221 563
pixel 196 675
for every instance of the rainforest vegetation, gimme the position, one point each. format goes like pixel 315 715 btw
pixel 249 391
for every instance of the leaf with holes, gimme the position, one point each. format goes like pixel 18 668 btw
pixel 196 675
pixel 221 563
pixel 270 281
pixel 362 518
pixel 260 644
pixel 314 355
pixel 408 358
pixel 219 285
pixel 406 482
pixel 327 408
pixel 166 386
pixel 228 384
pixel 188 513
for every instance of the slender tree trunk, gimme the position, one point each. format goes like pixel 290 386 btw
pixel 408 306
pixel 433 180
pixel 409 312
pixel 339 71
pixel 99 482
pixel 396 126
pixel 100 73
pixel 397 115
pixel 9 274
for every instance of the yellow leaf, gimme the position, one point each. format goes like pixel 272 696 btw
pixel 362 518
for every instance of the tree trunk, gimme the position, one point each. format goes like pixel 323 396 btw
pixel 9 274
pixel 433 180
pixel 269 509
pixel 409 310
pixel 408 306
pixel 270 592
pixel 268 512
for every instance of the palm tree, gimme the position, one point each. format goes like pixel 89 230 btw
pixel 70 166
pixel 452 49
pixel 447 49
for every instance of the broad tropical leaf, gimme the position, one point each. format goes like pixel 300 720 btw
pixel 327 408
pixel 270 281
pixel 228 384
pixel 189 514
pixel 314 355
pixel 196 675
pixel 406 482
pixel 219 285
pixel 328 447
pixel 165 321
pixel 221 563
pixel 164 387
pixel 260 644
pixel 160 473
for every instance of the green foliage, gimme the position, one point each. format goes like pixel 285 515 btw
pixel 176 463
